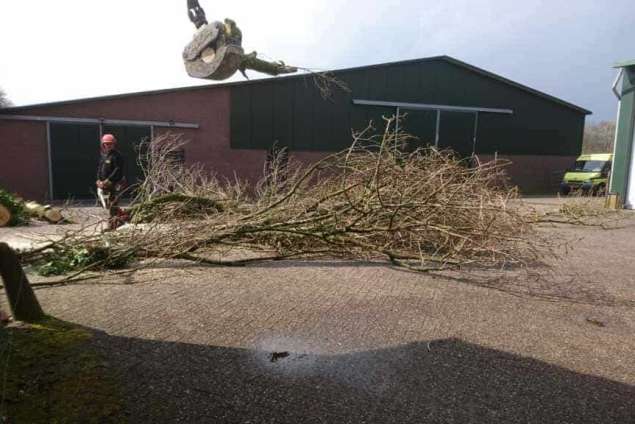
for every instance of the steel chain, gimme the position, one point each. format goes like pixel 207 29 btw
pixel 196 13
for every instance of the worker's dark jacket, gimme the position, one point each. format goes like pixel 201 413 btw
pixel 110 167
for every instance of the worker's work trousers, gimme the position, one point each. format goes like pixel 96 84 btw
pixel 108 199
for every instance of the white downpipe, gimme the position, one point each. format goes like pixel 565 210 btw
pixel 620 74
pixel 629 202
pixel 617 128
pixel 50 159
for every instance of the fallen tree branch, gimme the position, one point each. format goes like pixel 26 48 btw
pixel 420 209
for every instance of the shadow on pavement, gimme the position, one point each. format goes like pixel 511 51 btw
pixel 443 381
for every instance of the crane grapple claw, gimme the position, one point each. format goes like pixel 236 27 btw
pixel 214 52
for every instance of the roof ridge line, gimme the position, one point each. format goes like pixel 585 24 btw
pixel 446 58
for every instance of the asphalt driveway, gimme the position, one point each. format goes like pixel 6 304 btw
pixel 343 342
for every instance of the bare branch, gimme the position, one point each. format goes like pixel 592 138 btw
pixel 420 209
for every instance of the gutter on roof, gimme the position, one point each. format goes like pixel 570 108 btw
pixel 425 106
pixel 625 64
pixel 169 124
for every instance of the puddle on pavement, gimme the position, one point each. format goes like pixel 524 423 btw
pixel 293 357
pixel 286 355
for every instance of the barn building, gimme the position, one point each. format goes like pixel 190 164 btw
pixel 50 151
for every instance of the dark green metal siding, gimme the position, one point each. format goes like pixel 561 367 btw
pixel 292 112
pixel 129 139
pixel 75 154
pixel 74 157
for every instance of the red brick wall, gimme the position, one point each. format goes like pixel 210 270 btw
pixel 535 174
pixel 24 162
pixel 209 144
pixel 307 157
pixel 24 159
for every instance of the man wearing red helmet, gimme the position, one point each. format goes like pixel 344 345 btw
pixel 110 174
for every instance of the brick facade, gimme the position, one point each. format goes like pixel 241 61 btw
pixel 24 155
pixel 24 159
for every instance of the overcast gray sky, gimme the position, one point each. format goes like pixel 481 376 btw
pixel 64 49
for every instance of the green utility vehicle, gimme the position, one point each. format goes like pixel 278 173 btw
pixel 590 175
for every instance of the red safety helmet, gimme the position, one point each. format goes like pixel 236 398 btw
pixel 108 138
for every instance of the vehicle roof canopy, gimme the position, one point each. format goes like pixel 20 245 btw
pixel 595 156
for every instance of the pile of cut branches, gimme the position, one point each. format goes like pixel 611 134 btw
pixel 421 208
pixel 585 211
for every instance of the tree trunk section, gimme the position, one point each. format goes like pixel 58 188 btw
pixel 250 61
pixel 5 216
pixel 22 300
pixel 52 215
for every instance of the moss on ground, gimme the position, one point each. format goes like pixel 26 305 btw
pixel 54 376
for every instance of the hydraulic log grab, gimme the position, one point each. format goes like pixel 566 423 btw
pixel 216 52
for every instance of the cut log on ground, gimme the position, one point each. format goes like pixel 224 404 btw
pixel 5 216
pixel 45 212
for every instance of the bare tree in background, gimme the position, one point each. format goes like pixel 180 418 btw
pixel 599 138
pixel 4 100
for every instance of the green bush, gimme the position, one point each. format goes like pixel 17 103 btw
pixel 19 216
pixel 60 262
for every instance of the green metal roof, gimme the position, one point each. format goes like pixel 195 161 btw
pixel 625 64
pixel 447 59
